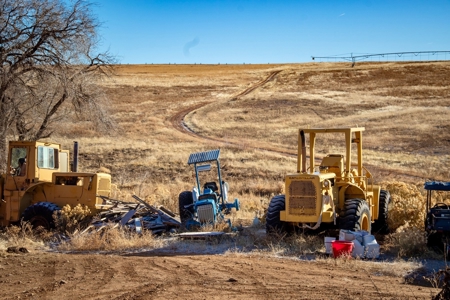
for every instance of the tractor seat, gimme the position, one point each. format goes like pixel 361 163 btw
pixel 212 196
pixel 211 185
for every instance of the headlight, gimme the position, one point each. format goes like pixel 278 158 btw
pixel 326 183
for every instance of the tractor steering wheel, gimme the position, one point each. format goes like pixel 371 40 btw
pixel 441 205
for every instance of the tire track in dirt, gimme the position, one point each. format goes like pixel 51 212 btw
pixel 256 85
pixel 141 275
pixel 178 123
pixel 177 120
pixel 88 270
pixel 201 274
pixel 245 272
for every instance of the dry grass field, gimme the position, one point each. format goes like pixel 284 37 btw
pixel 252 113
pixel 403 106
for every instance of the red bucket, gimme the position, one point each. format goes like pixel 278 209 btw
pixel 342 248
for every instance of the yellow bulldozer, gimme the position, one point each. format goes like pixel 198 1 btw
pixel 334 193
pixel 40 180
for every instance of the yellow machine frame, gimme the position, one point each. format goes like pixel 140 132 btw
pixel 47 179
pixel 317 196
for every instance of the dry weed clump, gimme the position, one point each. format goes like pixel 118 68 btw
pixel 252 206
pixel 262 188
pixel 297 244
pixel 408 241
pixel 407 208
pixel 69 219
pixel 251 240
pixel 157 194
pixel 165 194
pixel 221 225
pixel 406 220
pixel 110 238
pixel 23 236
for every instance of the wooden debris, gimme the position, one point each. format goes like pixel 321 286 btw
pixel 127 217
pixel 136 216
pixel 164 216
pixel 200 235
pixel 167 211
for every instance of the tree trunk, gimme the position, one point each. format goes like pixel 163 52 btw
pixel 3 148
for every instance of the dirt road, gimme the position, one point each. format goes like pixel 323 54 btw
pixel 41 275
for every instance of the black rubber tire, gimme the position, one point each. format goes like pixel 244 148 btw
pixel 185 198
pixel 41 214
pixel 435 241
pixel 439 243
pixel 355 216
pixel 381 224
pixel 273 223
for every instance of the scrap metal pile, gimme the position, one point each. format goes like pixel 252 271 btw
pixel 135 216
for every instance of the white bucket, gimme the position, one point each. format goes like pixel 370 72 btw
pixel 363 232
pixel 359 236
pixel 358 249
pixel 349 236
pixel 328 241
pixel 372 250
pixel 346 235
pixel 368 239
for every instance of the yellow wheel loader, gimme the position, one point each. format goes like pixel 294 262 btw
pixel 335 192
pixel 39 182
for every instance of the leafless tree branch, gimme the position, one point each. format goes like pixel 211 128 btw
pixel 48 64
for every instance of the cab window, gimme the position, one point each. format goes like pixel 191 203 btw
pixel 47 157
pixel 18 161
pixel 69 180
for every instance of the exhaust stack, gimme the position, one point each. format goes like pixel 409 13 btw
pixel 75 157
pixel 302 135
pixel 301 163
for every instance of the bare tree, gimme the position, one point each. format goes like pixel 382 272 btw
pixel 49 68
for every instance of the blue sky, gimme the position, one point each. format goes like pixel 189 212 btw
pixel 266 31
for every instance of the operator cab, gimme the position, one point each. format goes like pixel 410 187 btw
pixel 333 163
pixel 30 162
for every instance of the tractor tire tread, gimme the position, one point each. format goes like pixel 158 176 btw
pixel 43 209
pixel 381 224
pixel 273 222
pixel 185 198
pixel 351 218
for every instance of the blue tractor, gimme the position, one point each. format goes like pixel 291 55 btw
pixel 207 203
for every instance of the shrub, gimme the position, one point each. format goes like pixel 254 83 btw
pixel 111 238
pixel 69 219
pixel 408 241
pixel 407 207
